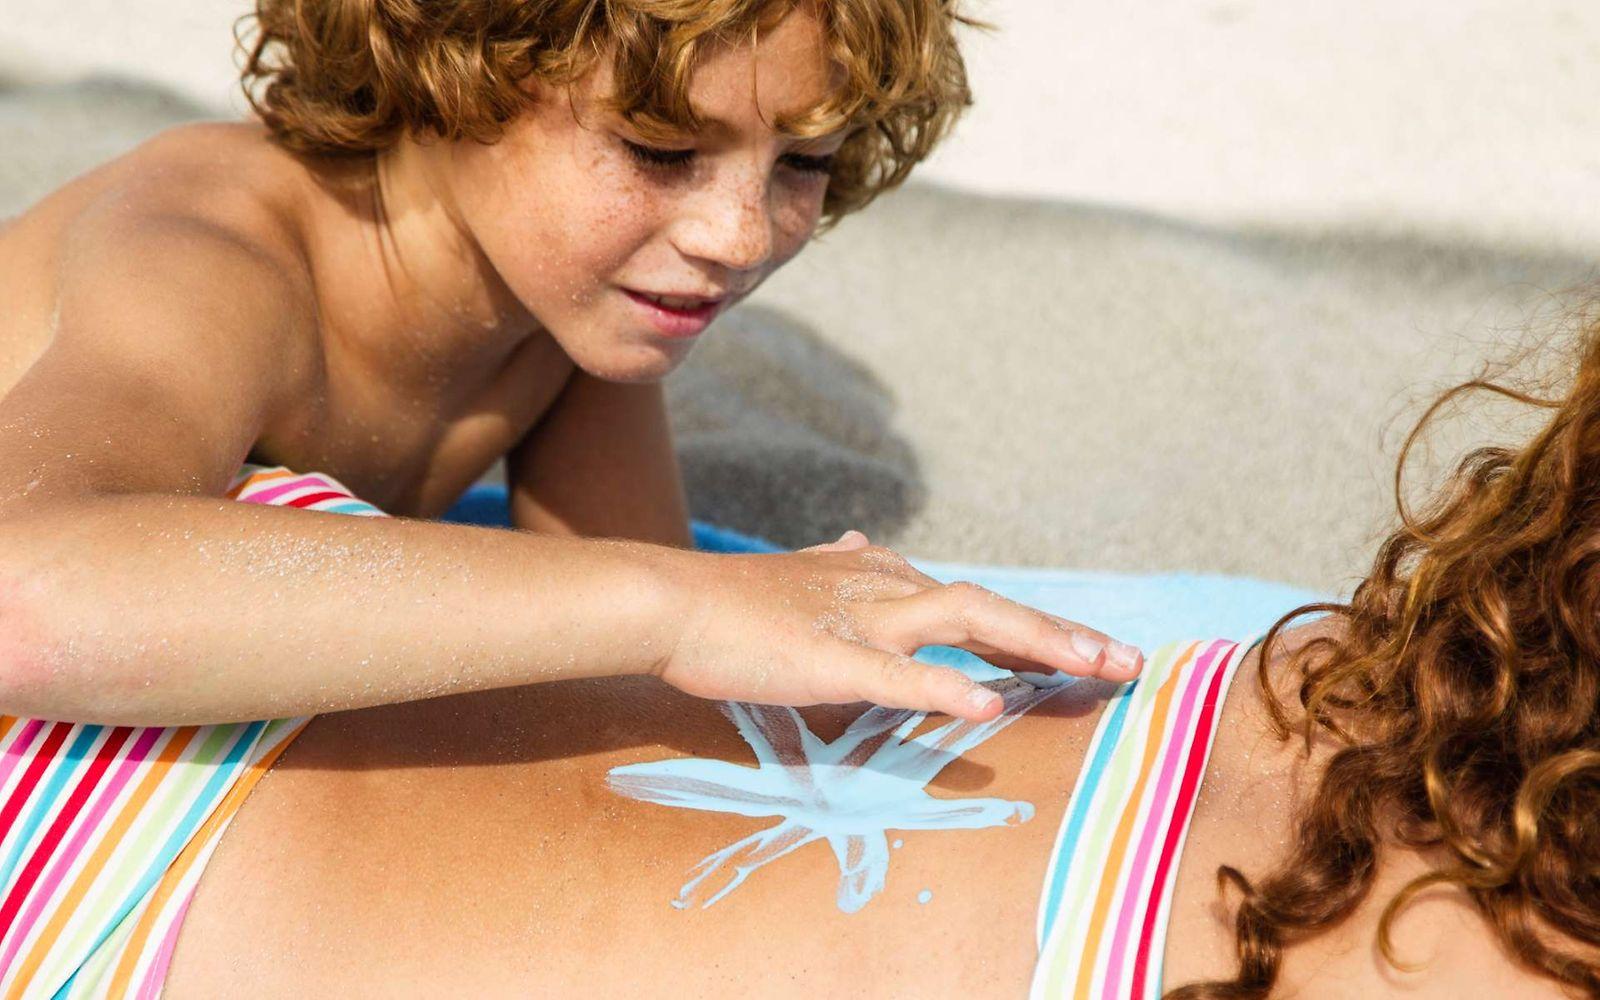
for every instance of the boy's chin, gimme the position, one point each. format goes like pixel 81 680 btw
pixel 637 364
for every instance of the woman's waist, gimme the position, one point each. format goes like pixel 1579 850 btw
pixel 491 827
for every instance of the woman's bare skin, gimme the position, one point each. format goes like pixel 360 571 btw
pixel 470 846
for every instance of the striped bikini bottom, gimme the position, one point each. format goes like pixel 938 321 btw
pixel 1107 896
pixel 104 830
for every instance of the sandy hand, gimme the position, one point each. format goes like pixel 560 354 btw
pixel 838 623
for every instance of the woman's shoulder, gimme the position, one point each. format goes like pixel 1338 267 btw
pixel 1257 779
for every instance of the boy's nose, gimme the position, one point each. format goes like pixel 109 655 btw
pixel 731 228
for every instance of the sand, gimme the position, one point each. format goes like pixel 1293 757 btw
pixel 1053 384
pixel 1141 370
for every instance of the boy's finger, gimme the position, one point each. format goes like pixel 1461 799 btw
pixel 896 681
pixel 1005 661
pixel 969 617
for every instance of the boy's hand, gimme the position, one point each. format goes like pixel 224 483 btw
pixel 838 623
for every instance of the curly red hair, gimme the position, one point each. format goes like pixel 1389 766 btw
pixel 1461 685
pixel 353 76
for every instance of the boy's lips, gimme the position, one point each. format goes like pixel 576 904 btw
pixel 676 315
pixel 680 300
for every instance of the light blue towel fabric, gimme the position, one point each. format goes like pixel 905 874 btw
pixel 1145 609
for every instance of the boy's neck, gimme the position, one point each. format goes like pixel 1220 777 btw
pixel 434 285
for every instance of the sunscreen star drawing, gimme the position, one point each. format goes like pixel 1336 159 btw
pixel 849 792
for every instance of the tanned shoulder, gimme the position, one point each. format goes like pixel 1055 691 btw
pixel 178 330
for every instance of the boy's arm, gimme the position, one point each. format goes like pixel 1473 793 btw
pixel 131 593
pixel 600 463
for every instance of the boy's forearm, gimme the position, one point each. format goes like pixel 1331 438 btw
pixel 148 610
pixel 601 464
pixel 652 513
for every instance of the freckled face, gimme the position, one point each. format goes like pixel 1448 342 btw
pixel 573 219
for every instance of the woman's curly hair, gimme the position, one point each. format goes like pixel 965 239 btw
pixel 1461 686
pixel 353 76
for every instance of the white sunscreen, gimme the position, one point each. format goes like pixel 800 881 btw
pixel 850 792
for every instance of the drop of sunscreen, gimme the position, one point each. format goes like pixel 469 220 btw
pixel 924 895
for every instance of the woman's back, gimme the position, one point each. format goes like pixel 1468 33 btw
pixel 475 843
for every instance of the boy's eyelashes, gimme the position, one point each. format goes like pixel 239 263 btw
pixel 652 156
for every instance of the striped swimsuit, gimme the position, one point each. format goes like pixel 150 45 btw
pixel 1102 925
pixel 104 830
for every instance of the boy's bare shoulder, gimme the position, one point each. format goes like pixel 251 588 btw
pixel 178 269
pixel 217 182
pixel 201 220
pixel 175 274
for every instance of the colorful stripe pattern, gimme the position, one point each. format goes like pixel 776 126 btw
pixel 104 830
pixel 1108 892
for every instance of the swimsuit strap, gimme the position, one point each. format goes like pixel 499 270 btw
pixel 1107 895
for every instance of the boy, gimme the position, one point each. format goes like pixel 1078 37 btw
pixel 362 287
